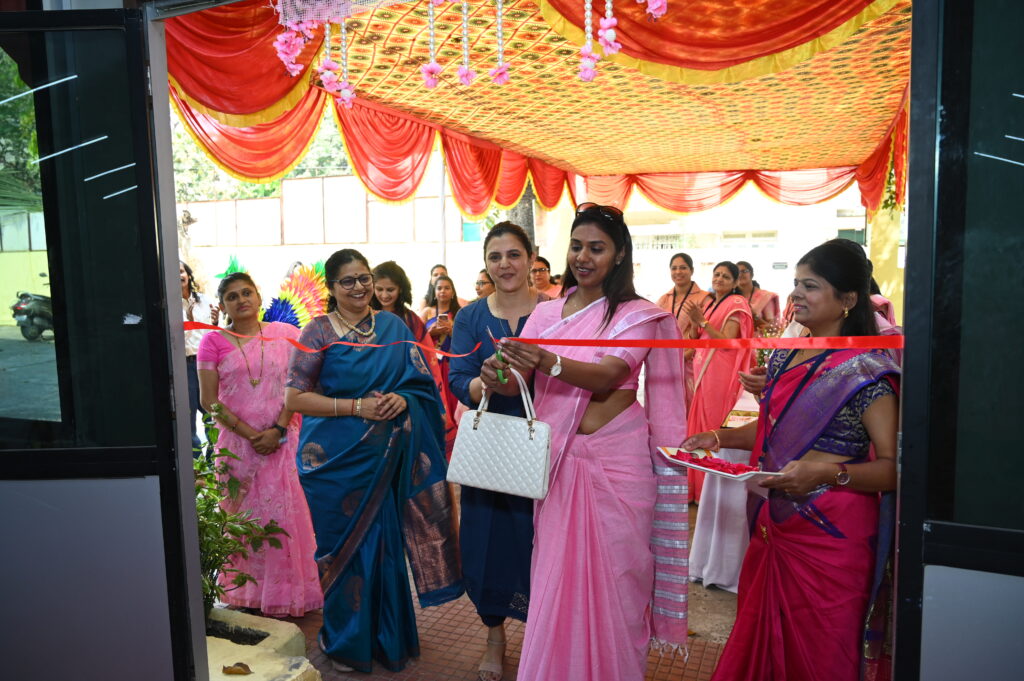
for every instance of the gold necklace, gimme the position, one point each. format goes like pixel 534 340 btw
pixel 364 334
pixel 252 381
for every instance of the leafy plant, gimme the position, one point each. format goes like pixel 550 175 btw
pixel 224 534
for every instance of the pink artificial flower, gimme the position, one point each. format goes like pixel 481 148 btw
pixel 499 74
pixel 656 8
pixel 430 72
pixel 606 35
pixel 587 52
pixel 466 75
pixel 303 27
pixel 289 46
pixel 588 69
pixel 329 65
pixel 437 3
pixel 346 95
pixel 330 82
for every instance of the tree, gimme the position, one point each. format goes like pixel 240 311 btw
pixel 19 177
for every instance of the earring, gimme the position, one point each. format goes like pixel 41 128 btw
pixel 846 313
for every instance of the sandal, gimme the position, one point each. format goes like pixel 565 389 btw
pixel 492 671
pixel 340 667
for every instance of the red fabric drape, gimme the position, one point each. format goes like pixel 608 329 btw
pixel 224 57
pixel 899 154
pixel 259 152
pixel 804 187
pixel 548 182
pixel 872 174
pixel 710 35
pixel 388 151
pixel 473 167
pixel 691 192
pixel 512 179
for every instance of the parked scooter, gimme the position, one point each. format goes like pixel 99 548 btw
pixel 33 313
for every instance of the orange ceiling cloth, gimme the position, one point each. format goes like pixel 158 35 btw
pixel 802 102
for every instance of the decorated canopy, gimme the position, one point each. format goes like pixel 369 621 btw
pixel 801 97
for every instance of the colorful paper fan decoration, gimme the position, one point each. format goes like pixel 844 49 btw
pixel 301 298
pixel 233 266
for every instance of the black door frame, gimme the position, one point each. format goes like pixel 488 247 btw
pixel 169 459
pixel 940 90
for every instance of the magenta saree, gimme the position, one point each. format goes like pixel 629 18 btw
pixel 815 562
pixel 609 562
pixel 717 386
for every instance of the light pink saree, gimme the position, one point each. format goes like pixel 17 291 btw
pixel 609 562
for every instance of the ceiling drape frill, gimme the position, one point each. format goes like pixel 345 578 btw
pixel 223 62
pixel 261 152
pixel 819 101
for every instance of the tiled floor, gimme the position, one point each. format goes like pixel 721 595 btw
pixel 452 643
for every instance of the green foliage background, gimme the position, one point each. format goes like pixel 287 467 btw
pixel 19 179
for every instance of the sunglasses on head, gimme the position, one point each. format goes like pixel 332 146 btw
pixel 607 211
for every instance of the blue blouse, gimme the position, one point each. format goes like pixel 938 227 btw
pixel 470 328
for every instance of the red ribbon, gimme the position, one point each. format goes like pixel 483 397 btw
pixel 804 343
pixel 200 326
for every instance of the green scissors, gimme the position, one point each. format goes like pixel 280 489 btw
pixel 497 350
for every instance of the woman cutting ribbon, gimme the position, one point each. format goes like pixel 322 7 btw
pixel 612 512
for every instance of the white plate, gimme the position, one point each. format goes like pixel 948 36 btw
pixel 668 452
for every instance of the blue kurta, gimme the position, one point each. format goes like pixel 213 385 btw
pixel 496 534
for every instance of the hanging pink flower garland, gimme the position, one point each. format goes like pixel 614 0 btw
pixel 291 42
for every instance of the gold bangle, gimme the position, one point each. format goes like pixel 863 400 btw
pixel 718 440
pixel 359 406
pixel 335 407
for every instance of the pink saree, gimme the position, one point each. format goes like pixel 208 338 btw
pixel 608 573
pixel 717 386
pixel 287 579
pixel 673 304
pixel 765 305
pixel 814 576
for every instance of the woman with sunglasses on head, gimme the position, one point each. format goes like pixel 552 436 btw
pixel 612 510
pixel 242 380
pixel 814 580
pixel 684 289
pixel 716 385
pixel 496 571
pixel 764 305
pixel 371 463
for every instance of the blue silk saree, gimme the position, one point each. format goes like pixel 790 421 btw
pixel 376 492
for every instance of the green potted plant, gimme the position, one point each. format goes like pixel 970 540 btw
pixel 223 534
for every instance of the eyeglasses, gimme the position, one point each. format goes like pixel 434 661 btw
pixel 349 283
pixel 607 211
pixel 539 270
pixel 483 283
pixel 745 272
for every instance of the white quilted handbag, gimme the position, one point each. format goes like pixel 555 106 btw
pixel 503 453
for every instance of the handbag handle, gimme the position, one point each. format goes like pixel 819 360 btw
pixel 524 393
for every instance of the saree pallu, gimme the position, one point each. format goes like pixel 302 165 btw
pixel 609 563
pixel 377 494
pixel 718 383
pixel 451 418
pixel 674 306
pixel 450 402
pixel 764 305
pixel 809 586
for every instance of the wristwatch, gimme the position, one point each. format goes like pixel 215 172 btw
pixel 281 429
pixel 843 476
pixel 556 369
